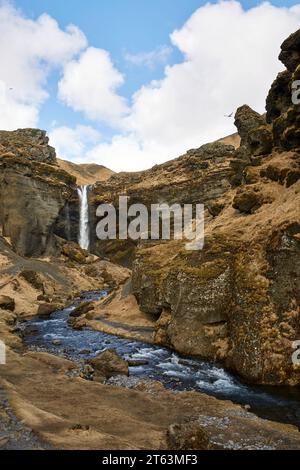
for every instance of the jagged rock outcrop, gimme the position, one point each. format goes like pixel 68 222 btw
pixel 279 97
pixel 290 51
pixel 29 144
pixel 33 191
pixel 286 130
pixel 256 141
pixel 281 112
pixel 246 121
pixel 238 300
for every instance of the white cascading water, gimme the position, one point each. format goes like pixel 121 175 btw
pixel 84 227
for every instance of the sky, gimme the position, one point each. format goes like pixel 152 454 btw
pixel 132 83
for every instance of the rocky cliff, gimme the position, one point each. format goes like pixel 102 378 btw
pixel 33 191
pixel 200 175
pixel 238 299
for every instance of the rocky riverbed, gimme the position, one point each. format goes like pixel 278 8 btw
pixel 155 363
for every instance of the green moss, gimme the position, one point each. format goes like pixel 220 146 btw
pixel 204 272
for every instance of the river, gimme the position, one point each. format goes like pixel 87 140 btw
pixel 178 373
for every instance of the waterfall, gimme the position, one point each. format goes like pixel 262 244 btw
pixel 84 227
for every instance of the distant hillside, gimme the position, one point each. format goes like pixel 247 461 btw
pixel 233 139
pixel 86 173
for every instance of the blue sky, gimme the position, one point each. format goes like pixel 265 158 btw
pixel 119 26
pixel 136 35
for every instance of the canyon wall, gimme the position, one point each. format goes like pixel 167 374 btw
pixel 33 191
pixel 238 299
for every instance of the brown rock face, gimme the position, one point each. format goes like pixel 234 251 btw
pixel 238 299
pixel 286 129
pixel 256 136
pixel 246 201
pixel 281 112
pixel 201 174
pixel 260 141
pixel 28 144
pixel 195 287
pixel 290 51
pixel 247 120
pixel 46 309
pixel 33 191
pixel 279 97
pixel 83 308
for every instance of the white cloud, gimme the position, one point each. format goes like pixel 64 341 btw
pixel 90 85
pixel 230 58
pixel 73 143
pixel 160 55
pixel 124 153
pixel 29 50
pixel 15 113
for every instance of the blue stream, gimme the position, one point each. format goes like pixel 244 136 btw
pixel 175 372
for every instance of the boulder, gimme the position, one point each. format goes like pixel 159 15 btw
pixel 43 297
pixel 87 372
pixel 7 303
pixel 45 310
pixel 83 308
pixel 73 251
pixel 215 208
pixel 247 201
pixel 187 436
pixel 109 364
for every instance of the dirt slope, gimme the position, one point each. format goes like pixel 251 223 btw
pixel 86 173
